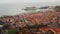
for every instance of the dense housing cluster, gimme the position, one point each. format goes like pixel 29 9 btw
pixel 47 22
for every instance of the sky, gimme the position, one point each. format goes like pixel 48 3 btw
pixel 13 7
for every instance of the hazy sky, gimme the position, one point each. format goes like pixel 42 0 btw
pixel 12 7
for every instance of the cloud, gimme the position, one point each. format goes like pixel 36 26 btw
pixel 46 0
pixel 16 1
pixel 27 1
pixel 11 7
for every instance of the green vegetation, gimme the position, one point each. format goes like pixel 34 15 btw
pixel 57 7
pixel 13 31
